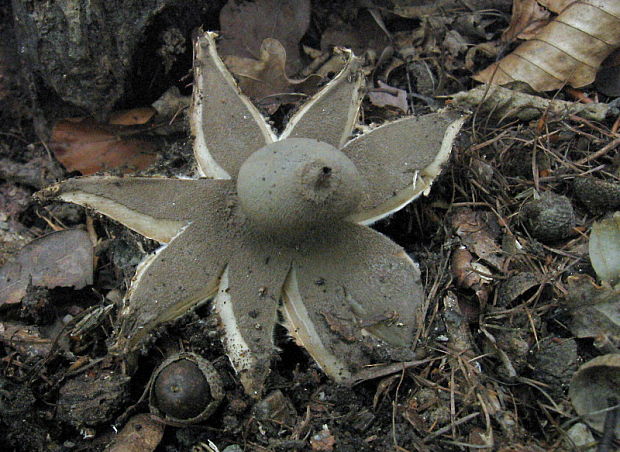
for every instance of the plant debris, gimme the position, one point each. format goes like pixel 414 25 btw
pixel 59 259
pixel 492 342
pixel 568 50
pixel 504 104
pixel 89 147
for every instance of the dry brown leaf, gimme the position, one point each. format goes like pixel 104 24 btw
pixel 568 50
pixel 528 17
pixel 135 116
pixel 142 433
pixel 388 96
pixel 478 232
pixel 59 259
pixel 556 6
pixel 266 77
pixel 89 147
pixel 323 441
pixel 245 25
pixel 594 312
pixel 470 274
pixel 361 35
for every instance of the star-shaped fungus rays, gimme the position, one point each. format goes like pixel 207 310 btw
pixel 277 234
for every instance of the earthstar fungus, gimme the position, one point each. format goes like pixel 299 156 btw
pixel 276 232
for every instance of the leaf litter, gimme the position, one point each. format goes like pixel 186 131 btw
pixel 59 259
pixel 480 374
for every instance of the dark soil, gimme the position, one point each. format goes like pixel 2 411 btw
pixel 495 356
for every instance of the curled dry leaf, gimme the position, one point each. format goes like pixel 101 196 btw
pixel 505 103
pixel 142 433
pixel 567 51
pixel 478 232
pixel 594 388
pixel 470 274
pixel 171 103
pixel 388 96
pixel 594 312
pixel 516 286
pixel 266 76
pixel 59 259
pixel 528 17
pixel 88 147
pixel 245 25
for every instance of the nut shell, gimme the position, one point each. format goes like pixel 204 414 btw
pixel 185 389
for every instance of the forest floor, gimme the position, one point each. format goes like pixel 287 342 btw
pixel 502 240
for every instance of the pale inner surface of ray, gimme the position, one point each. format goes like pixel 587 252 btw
pixel 162 230
pixel 420 184
pixel 209 59
pixel 237 349
pixel 175 311
pixel 300 327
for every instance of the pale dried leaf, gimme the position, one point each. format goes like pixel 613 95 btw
pixel 478 232
pixel 388 96
pixel 470 274
pixel 244 26
pixel 59 259
pixel 568 50
pixel 556 6
pixel 594 312
pixel 528 17
pixel 323 441
pixel 605 248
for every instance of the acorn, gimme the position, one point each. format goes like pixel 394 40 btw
pixel 549 218
pixel 185 389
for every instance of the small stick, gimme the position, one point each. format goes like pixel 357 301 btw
pixel 604 150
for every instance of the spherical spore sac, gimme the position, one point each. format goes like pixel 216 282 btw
pixel 297 185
